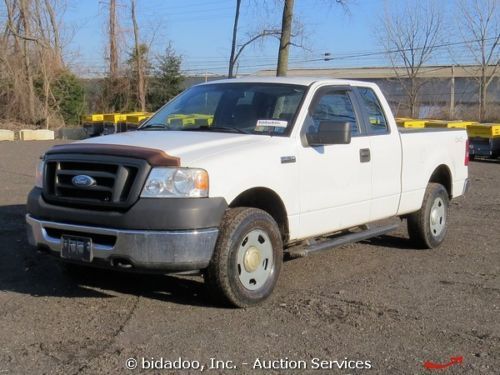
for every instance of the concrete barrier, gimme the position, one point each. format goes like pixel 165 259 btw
pixel 44 135
pixel 36 135
pixel 71 133
pixel 27 135
pixel 6 135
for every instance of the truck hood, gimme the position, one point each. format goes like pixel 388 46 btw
pixel 189 146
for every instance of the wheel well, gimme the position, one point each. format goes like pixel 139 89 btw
pixel 266 200
pixel 442 175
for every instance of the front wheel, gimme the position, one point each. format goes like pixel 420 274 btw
pixel 428 226
pixel 247 258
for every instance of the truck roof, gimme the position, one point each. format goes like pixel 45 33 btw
pixel 303 81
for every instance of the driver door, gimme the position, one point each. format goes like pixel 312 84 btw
pixel 335 180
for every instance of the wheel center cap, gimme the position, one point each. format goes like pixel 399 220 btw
pixel 252 259
pixel 434 216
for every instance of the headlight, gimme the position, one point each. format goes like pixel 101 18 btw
pixel 176 183
pixel 39 173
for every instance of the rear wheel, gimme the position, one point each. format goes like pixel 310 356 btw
pixel 428 226
pixel 247 259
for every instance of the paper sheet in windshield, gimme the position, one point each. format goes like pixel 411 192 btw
pixel 264 125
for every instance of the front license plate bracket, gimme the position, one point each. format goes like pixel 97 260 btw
pixel 76 248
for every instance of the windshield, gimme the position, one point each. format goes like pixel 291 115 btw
pixel 253 108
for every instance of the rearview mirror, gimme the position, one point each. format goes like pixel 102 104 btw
pixel 330 133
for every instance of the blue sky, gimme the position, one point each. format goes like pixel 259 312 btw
pixel 200 31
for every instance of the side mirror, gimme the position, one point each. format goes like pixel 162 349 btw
pixel 330 133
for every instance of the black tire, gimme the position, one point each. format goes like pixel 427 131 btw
pixel 425 231
pixel 472 157
pixel 225 272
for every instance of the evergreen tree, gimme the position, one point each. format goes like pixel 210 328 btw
pixel 167 79
pixel 68 93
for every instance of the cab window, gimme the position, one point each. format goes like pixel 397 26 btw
pixel 333 106
pixel 377 122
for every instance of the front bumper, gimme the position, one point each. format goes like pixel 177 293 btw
pixel 161 251
pixel 150 214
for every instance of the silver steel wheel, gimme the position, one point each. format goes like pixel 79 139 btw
pixel 437 217
pixel 255 259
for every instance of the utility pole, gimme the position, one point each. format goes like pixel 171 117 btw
pixel 233 44
pixel 286 32
pixel 452 94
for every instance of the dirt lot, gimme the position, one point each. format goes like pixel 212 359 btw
pixel 379 301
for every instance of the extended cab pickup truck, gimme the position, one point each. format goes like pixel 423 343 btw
pixel 230 175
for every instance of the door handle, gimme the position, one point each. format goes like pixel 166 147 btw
pixel 364 155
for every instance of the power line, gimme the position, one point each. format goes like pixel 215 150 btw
pixel 219 63
pixel 189 5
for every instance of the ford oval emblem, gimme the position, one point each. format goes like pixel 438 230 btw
pixel 83 181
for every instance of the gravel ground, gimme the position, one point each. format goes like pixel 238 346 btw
pixel 379 301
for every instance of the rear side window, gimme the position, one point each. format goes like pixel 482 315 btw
pixel 377 122
pixel 334 106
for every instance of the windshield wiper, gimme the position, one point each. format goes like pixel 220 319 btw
pixel 228 129
pixel 159 126
pixel 154 126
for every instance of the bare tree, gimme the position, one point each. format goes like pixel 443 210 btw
pixel 55 32
pixel 251 38
pixel 31 64
pixel 287 34
pixel 410 36
pixel 479 25
pixel 115 93
pixel 289 30
pixel 18 67
pixel 24 14
pixel 113 45
pixel 232 60
pixel 285 39
pixel 138 51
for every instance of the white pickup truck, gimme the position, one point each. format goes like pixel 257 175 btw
pixel 230 175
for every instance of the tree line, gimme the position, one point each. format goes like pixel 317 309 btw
pixel 37 87
pixel 416 32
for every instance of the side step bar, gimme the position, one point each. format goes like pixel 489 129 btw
pixel 302 251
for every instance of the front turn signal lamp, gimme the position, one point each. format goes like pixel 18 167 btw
pixel 39 173
pixel 164 182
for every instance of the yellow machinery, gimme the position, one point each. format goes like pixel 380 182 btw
pixel 112 122
pixel 93 124
pixel 410 123
pixel 484 140
pixel 484 130
pixel 196 119
pixel 449 124
pixel 134 120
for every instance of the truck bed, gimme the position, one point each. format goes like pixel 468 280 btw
pixel 425 150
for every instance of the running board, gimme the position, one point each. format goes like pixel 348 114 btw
pixel 302 251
